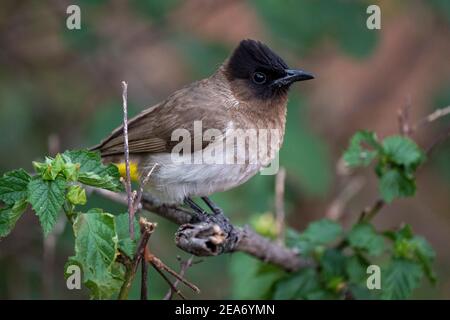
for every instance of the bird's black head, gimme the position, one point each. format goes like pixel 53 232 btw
pixel 262 70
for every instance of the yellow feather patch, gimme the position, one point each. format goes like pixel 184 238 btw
pixel 134 173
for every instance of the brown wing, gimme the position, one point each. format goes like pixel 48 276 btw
pixel 151 130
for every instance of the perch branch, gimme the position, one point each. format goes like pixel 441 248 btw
pixel 207 238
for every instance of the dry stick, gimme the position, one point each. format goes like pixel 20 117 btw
pixel 279 203
pixel 127 159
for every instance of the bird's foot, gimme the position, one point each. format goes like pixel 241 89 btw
pixel 215 209
pixel 198 211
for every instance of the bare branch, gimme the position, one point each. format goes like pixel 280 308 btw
pixel 439 113
pixel 337 206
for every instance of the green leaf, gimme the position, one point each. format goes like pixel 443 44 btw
pixel 403 151
pixel 47 198
pixel 394 184
pixel 49 169
pixel 10 215
pixel 317 234
pixel 414 248
pixel 126 244
pixel 298 285
pixel 333 264
pixel 425 255
pixel 13 186
pixel 356 269
pixel 92 172
pixel 70 171
pixel 400 279
pixel 96 245
pixel 359 155
pixel 323 231
pixel 364 237
pixel 76 195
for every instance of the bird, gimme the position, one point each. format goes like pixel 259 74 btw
pixel 247 93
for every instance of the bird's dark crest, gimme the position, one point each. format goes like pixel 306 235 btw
pixel 250 56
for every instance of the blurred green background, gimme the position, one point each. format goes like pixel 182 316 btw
pixel 60 89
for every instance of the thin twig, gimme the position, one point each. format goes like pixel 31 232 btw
pixel 138 199
pixel 442 138
pixel 157 263
pixel 337 206
pixel 184 265
pixel 178 292
pixel 279 203
pixel 127 159
pixel 439 113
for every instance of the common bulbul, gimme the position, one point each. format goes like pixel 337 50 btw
pixel 247 92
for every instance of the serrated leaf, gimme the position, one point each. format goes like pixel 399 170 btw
pixel 105 287
pixel 10 215
pixel 96 244
pixel 76 195
pixel 403 151
pixel 13 186
pixel 297 285
pixel 394 184
pixel 400 279
pixel 93 172
pixel 358 153
pixel 364 237
pixel 323 231
pixel 126 244
pixel 47 198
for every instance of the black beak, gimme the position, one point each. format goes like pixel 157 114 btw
pixel 292 76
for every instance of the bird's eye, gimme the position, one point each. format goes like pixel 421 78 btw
pixel 259 78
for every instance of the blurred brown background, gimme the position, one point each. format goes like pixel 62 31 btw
pixel 60 89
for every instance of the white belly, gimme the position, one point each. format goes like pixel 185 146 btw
pixel 219 167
